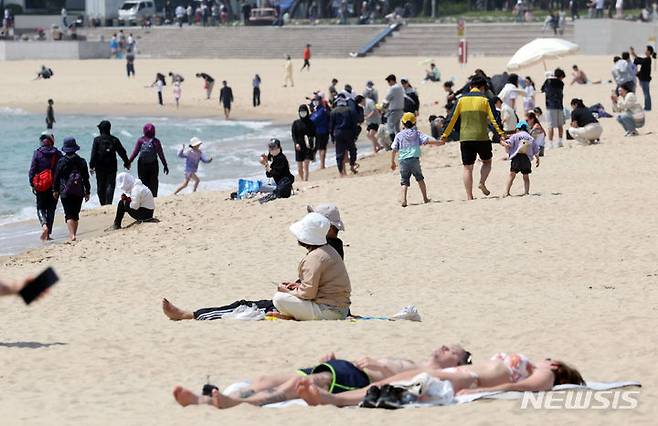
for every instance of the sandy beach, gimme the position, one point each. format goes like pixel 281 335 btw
pixel 569 272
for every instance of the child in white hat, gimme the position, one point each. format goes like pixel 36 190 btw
pixel 192 158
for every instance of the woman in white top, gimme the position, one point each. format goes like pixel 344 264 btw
pixel 631 115
pixel 511 91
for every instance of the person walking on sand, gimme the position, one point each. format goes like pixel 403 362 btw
pixel 71 182
pixel 103 162
pixel 553 87
pixel 50 115
pixel 303 136
pixel 406 146
pixel 136 200
pixel 42 171
pixel 130 61
pixel 226 98
pixel 521 149
pixel 307 58
pixel 475 110
pixel 208 83
pixel 320 119
pixel 159 84
pixel 177 91
pixel 287 73
pixel 342 129
pixel 255 83
pixel 149 149
pixel 192 158
pixel 394 104
pixel 644 74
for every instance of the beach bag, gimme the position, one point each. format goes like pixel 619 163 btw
pixel 73 186
pixel 526 146
pixel 246 187
pixel 147 152
pixel 43 181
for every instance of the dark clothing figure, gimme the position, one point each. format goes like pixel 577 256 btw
pixel 50 117
pixel 45 158
pixel 256 96
pixel 303 136
pixel 342 128
pixel 583 116
pixel 71 181
pixel 103 162
pixel 149 149
pixel 554 90
pixel 280 172
pixel 140 214
pixel 226 97
pixel 130 63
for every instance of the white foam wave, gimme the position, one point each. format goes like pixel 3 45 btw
pixel 12 111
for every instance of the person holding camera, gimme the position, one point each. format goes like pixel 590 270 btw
pixel 277 167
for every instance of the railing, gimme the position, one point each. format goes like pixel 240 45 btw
pixel 368 47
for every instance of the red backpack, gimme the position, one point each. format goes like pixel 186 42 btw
pixel 43 180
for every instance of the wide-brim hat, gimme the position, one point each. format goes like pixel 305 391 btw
pixel 330 211
pixel 311 230
pixel 70 145
pixel 195 142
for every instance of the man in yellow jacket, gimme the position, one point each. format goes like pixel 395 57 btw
pixel 476 114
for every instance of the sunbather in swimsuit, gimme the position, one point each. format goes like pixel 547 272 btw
pixel 519 366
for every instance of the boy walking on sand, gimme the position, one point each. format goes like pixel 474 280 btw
pixel 192 159
pixel 407 146
pixel 521 148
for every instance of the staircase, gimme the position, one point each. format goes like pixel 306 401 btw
pixel 244 42
pixel 490 39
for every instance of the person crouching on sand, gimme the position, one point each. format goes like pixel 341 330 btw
pixel 521 148
pixel 192 158
pixel 406 146
pixel 136 200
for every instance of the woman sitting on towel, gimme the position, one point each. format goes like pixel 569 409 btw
pixel 330 211
pixel 334 375
pixel 503 372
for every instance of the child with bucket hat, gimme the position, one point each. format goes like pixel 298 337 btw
pixel 521 148
pixel 192 158
pixel 406 146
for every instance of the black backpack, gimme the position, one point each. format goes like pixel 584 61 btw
pixel 73 186
pixel 107 152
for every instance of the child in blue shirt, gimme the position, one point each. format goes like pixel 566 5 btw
pixel 406 146
pixel 192 158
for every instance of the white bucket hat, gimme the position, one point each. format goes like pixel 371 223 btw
pixel 125 182
pixel 195 142
pixel 311 230
pixel 330 211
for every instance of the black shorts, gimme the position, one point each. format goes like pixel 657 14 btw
pixel 521 164
pixel 373 126
pixel 72 207
pixel 345 376
pixel 304 154
pixel 472 149
pixel 321 142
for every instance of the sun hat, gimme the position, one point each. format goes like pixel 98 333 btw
pixel 522 125
pixel 330 211
pixel 125 182
pixel 311 230
pixel 409 117
pixel 70 145
pixel 195 142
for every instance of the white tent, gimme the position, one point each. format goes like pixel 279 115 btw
pixel 539 50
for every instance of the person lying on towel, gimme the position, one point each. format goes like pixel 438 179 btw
pixel 332 375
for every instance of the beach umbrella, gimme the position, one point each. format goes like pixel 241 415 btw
pixel 539 50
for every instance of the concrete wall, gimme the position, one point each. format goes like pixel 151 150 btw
pixel 611 37
pixel 38 21
pixel 19 50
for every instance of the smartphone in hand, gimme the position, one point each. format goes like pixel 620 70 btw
pixel 41 283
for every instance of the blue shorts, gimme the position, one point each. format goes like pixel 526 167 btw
pixel 345 376
pixel 408 167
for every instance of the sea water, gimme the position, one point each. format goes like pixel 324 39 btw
pixel 234 145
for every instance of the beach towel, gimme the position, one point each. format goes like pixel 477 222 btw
pixel 247 187
pixel 441 393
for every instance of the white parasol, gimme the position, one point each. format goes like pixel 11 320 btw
pixel 539 50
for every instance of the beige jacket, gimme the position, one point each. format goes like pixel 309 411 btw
pixel 629 103
pixel 324 278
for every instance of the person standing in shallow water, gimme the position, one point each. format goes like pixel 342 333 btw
pixel 103 162
pixel 50 115
pixel 149 149
pixel 226 98
pixel 42 171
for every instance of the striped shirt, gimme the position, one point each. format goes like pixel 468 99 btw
pixel 475 112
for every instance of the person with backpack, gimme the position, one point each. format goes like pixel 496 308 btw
pixel 42 170
pixel 149 149
pixel 71 182
pixel 103 162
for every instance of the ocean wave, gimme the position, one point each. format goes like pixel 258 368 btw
pixel 12 111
